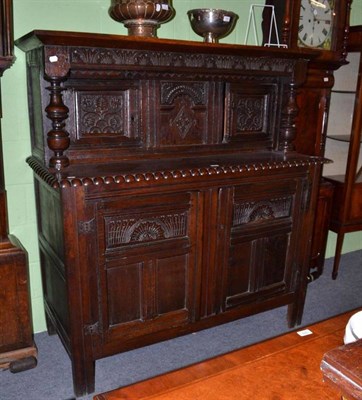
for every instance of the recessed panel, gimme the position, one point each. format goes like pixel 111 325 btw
pixel 124 293
pixel 171 283
pixel 184 113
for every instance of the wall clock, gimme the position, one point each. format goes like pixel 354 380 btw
pixel 316 18
pixel 317 24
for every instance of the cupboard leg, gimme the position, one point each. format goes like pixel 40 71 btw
pixel 83 376
pixel 337 255
pixel 295 312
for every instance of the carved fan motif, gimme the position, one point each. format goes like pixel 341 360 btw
pixel 147 231
pixel 195 91
pixel 134 230
pixel 262 212
pixel 248 212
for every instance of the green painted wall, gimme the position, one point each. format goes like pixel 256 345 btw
pixel 86 16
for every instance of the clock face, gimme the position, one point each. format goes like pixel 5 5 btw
pixel 315 23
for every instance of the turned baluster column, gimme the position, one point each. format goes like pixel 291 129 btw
pixel 58 137
pixel 289 114
pixel 56 71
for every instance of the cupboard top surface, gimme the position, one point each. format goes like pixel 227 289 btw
pixel 39 38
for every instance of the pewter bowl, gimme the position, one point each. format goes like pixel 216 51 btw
pixel 212 24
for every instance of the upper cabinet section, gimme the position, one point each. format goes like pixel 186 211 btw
pixel 116 97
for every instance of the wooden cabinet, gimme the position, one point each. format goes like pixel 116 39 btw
pixel 169 196
pixel 347 200
pixel 17 349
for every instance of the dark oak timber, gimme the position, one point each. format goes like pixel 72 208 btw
pixel 169 195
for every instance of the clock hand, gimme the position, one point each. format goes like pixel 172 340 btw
pixel 323 19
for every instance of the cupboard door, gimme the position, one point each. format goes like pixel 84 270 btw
pixel 263 228
pixel 148 262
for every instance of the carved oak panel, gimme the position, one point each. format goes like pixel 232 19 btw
pixel 263 210
pixel 145 246
pixel 105 115
pixel 260 241
pixel 250 111
pixel 134 229
pixel 184 113
pixel 101 114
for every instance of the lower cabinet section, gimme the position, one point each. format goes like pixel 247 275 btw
pixel 140 266
pixel 261 246
pixel 147 263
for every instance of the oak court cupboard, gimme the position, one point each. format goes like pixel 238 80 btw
pixel 169 194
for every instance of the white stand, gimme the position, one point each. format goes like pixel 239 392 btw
pixel 273 25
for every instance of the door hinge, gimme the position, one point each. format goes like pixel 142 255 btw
pixel 92 329
pixel 85 227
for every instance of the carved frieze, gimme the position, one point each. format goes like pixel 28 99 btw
pixel 126 230
pixel 257 211
pixel 142 58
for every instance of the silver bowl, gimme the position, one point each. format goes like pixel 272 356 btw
pixel 212 24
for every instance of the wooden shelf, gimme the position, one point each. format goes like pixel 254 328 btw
pixel 342 138
pixel 344 91
pixel 342 179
